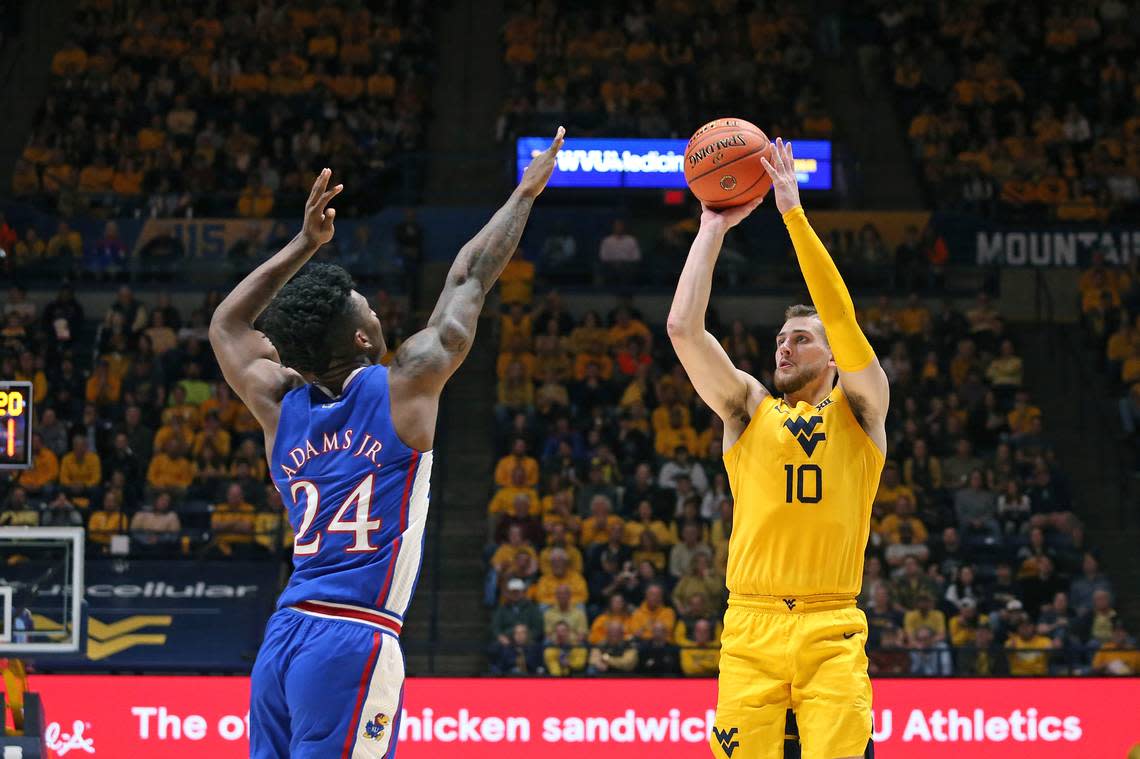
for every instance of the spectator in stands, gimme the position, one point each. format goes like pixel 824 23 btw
pixel 106 522
pixel 519 655
pixel 1057 621
pixel 681 465
pixel 1028 651
pixel 957 469
pixel 171 470
pixel 61 512
pixel 616 654
pixel 653 609
pixel 516 609
pixel 158 525
pixel 561 574
pixel 982 658
pixel 976 509
pixel 619 255
pixel 17 510
pixel 565 612
pixel 1096 625
pixel 1119 655
pixel 700 579
pixel 80 472
pixel 43 475
pixel 658 656
pixel 928 656
pixel 564 655
pixel 1083 588
pixel 596 529
pixel 683 553
pixel 233 522
pixel 701 658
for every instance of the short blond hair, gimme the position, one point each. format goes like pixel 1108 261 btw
pixel 800 309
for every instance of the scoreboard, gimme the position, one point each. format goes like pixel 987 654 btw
pixel 15 425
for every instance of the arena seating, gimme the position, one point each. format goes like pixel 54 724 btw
pixel 228 109
pixel 1026 109
pixel 635 68
pixel 610 513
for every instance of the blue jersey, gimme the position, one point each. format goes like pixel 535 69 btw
pixel 357 499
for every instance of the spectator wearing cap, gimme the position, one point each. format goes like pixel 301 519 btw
pixel 1028 650
pixel 1118 655
pixel 516 609
pixel 925 616
pixel 564 654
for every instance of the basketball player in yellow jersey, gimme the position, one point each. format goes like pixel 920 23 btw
pixel 803 469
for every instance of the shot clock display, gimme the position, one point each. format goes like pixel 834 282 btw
pixel 15 425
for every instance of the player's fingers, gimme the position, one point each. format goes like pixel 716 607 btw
pixel 329 215
pixel 788 154
pixel 319 185
pixel 768 167
pixel 556 143
pixel 326 197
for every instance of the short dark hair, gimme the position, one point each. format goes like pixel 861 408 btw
pixel 800 309
pixel 305 319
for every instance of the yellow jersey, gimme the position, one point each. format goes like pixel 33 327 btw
pixel 803 479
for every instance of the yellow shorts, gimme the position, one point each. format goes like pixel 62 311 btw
pixel 802 653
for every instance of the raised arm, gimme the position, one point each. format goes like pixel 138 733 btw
pixel 860 375
pixel 248 361
pixel 731 393
pixel 428 358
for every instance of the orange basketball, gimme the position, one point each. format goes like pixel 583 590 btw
pixel 722 163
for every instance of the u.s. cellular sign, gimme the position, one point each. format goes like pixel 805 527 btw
pixel 175 717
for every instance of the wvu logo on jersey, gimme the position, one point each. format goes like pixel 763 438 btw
pixel 726 739
pixel 803 430
pixel 375 729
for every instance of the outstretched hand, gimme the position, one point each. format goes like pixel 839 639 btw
pixel 318 226
pixel 538 173
pixel 727 218
pixel 782 170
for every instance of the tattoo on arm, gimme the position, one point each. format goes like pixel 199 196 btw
pixel 492 248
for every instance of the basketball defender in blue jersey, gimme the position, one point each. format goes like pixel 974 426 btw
pixel 349 446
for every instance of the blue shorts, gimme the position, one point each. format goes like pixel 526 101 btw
pixel 325 688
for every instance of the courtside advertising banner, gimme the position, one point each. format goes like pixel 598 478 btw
pixel 112 717
pixel 609 162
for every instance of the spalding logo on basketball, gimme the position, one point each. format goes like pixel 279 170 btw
pixel 714 148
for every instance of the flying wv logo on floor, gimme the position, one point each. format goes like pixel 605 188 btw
pixel 726 739
pixel 803 430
